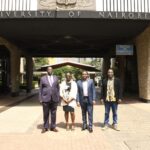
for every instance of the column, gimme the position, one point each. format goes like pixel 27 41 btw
pixel 15 72
pixel 15 54
pixel 113 62
pixel 143 59
pixel 29 73
pixel 22 70
pixel 121 70
pixel 106 66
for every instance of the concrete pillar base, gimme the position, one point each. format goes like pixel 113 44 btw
pixel 145 100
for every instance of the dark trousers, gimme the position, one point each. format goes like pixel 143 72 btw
pixel 49 108
pixel 114 107
pixel 87 108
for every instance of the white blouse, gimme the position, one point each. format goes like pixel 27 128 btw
pixel 71 94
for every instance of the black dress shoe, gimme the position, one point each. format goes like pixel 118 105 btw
pixel 44 130
pixel 84 127
pixel 54 129
pixel 90 130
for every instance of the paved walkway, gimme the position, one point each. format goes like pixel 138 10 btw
pixel 7 101
pixel 20 128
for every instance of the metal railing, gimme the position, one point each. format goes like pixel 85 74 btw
pixel 18 5
pixel 102 5
pixel 125 5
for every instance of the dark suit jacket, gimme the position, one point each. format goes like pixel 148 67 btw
pixel 91 91
pixel 117 89
pixel 47 93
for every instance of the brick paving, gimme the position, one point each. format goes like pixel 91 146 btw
pixel 7 101
pixel 20 128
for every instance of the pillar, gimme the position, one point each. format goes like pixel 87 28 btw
pixel 15 72
pixel 113 62
pixel 143 60
pixel 15 54
pixel 22 70
pixel 29 73
pixel 121 70
pixel 106 66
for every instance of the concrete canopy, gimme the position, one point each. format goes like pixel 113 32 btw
pixel 65 37
pixel 69 63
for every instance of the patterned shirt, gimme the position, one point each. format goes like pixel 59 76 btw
pixel 110 91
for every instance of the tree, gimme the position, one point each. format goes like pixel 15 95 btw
pixel 60 72
pixel 40 61
pixel 97 63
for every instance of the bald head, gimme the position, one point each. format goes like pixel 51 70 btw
pixel 49 70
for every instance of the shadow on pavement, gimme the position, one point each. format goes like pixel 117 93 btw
pixel 40 126
pixel 98 124
pixel 63 125
pixel 60 125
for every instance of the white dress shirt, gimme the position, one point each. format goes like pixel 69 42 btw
pixel 85 88
pixel 51 79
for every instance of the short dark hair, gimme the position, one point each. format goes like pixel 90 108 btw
pixel 85 71
pixel 111 69
pixel 68 72
pixel 49 67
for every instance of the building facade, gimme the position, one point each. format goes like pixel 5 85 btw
pixel 71 28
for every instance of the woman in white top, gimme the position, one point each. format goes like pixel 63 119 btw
pixel 68 94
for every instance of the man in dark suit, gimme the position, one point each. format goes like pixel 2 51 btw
pixel 86 98
pixel 111 95
pixel 49 98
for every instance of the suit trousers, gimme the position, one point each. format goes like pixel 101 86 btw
pixel 87 108
pixel 49 109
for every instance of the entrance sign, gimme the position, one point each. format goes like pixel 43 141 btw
pixel 124 49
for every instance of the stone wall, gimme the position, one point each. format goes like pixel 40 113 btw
pixel 143 57
pixel 66 4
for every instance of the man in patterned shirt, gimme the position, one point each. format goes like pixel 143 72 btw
pixel 111 95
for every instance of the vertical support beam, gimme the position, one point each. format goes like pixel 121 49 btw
pixel 106 66
pixel 122 70
pixel 112 64
pixel 15 54
pixel 143 58
pixel 15 72
pixel 4 77
pixel 29 73
pixel 22 70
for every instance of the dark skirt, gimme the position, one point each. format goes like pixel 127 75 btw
pixel 68 108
